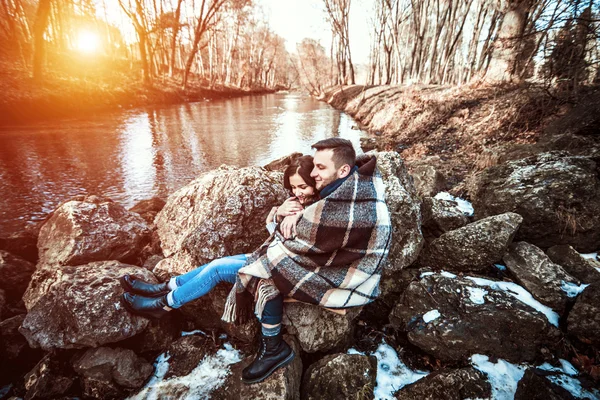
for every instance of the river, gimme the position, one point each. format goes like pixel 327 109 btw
pixel 138 154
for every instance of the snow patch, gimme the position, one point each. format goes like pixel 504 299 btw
pixel 392 373
pixel 571 289
pixel 447 274
pixel 500 267
pixel 520 294
pixel 463 205
pixel 590 256
pixel 208 375
pixel 502 376
pixel 352 350
pixel 424 274
pixel 573 386
pixel 476 295
pixel 193 333
pixel 431 315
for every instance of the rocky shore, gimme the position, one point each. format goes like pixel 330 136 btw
pixel 501 300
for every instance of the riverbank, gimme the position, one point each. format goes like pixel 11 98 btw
pixel 462 130
pixel 66 94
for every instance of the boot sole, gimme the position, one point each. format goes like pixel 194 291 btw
pixel 128 288
pixel 282 363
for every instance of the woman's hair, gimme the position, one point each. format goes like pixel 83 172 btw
pixel 302 166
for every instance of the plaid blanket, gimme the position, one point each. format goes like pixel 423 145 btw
pixel 336 258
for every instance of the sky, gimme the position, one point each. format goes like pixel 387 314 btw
pixel 295 20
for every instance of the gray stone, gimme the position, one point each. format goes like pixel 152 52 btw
pixel 404 206
pixel 574 263
pixel 187 352
pixel 464 383
pixel 501 326
pixel 441 216
pixel 221 213
pixel 344 376
pixel 15 274
pixel 473 247
pixel 113 366
pixel 428 181
pixel 555 193
pixel 77 307
pixel 536 385
pixel 318 329
pixel 48 379
pixel 91 228
pixel 584 319
pixel 533 270
pixel 148 209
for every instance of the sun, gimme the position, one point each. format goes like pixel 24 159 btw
pixel 88 42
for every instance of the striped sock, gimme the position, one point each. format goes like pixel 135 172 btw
pixel 271 331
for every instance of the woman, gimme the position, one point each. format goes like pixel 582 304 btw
pixel 155 300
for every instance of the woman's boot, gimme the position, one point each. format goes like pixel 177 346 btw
pixel 273 353
pixel 149 307
pixel 130 284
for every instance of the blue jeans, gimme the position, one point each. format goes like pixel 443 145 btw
pixel 200 281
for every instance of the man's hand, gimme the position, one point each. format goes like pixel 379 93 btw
pixel 288 226
pixel 289 207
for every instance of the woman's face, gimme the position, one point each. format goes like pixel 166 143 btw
pixel 300 189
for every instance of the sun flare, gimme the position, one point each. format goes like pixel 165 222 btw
pixel 88 42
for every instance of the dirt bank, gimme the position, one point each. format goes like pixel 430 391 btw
pixel 461 130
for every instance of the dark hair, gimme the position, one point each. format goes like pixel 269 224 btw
pixel 343 152
pixel 302 166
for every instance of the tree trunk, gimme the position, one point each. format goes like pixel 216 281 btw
pixel 39 50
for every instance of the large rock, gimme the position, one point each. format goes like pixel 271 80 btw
pixel 49 379
pixel 473 247
pixel 221 213
pixel 464 383
pixel 15 274
pixel 555 193
pixel 318 329
pixel 343 376
pixel 534 271
pixel 584 318
pixel 148 209
pixel 187 352
pixel 107 371
pixel 541 384
pixel 428 181
pixel 472 319
pixel 404 206
pixel 91 228
pixel 574 263
pixel 441 216
pixel 76 307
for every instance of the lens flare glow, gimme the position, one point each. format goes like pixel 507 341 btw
pixel 88 42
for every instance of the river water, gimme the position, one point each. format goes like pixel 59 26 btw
pixel 139 154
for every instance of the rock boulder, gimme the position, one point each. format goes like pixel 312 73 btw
pixel 15 274
pixel 556 194
pixel 572 262
pixel 77 307
pixel 441 216
pixel 49 379
pixel 452 318
pixel 473 247
pixel 584 318
pixel 91 228
pixel 464 383
pixel 428 181
pixel 543 278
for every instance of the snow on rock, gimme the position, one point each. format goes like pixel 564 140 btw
pixel 463 205
pixel 476 295
pixel 502 375
pixel 198 384
pixel 519 293
pixel 184 333
pixel 500 267
pixel 590 256
pixel 431 315
pixel 573 386
pixel 571 289
pixel 392 373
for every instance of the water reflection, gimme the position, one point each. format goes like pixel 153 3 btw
pixel 134 155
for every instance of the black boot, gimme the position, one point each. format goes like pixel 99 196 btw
pixel 130 284
pixel 149 307
pixel 273 353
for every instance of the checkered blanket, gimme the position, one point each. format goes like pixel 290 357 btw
pixel 334 261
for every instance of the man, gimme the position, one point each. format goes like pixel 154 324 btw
pixel 334 259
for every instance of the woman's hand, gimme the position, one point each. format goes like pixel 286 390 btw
pixel 271 215
pixel 288 225
pixel 289 207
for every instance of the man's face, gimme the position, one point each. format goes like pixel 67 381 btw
pixel 324 171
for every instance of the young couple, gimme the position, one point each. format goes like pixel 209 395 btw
pixel 327 248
